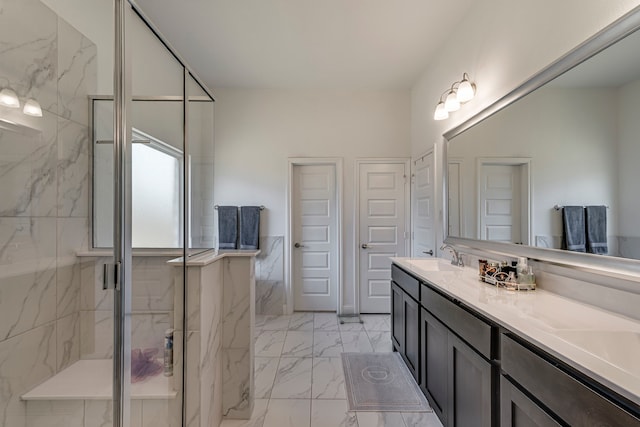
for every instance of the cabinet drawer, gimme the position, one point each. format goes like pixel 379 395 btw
pixel 469 327
pixel 408 283
pixel 571 400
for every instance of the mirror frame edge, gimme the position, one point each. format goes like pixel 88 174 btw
pixel 622 268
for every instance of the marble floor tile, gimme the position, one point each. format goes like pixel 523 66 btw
pixel 257 416
pixel 298 344
pixel 276 323
pixel 261 320
pixel 332 413
pixel 327 381
pixel 301 321
pixel 298 371
pixel 351 327
pixel 380 419
pixel 376 322
pixel 269 343
pixel 356 342
pixel 293 379
pixel 381 341
pixel 325 322
pixel 265 373
pixel 288 413
pixel 327 344
pixel 421 419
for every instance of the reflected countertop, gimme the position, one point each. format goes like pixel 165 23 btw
pixel 597 342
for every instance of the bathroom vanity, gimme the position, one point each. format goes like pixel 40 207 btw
pixel 487 356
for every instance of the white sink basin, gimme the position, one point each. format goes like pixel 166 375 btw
pixel 619 348
pixel 428 264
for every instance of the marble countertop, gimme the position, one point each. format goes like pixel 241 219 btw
pixel 597 342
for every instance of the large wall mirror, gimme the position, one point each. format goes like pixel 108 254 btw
pixel 568 137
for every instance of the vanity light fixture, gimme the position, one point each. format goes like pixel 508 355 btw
pixel 459 93
pixel 32 108
pixel 8 98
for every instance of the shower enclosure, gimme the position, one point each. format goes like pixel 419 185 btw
pixel 106 170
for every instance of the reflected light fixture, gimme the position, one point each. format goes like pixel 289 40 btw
pixel 8 98
pixel 459 93
pixel 32 108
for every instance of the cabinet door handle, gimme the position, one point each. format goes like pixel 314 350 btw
pixel 429 252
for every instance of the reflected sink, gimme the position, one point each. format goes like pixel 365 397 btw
pixel 427 264
pixel 619 348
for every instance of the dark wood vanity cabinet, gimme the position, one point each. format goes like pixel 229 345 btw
pixel 518 410
pixel 397 317
pixel 455 376
pixel 549 393
pixel 405 319
pixel 434 363
pixel 447 348
pixel 477 374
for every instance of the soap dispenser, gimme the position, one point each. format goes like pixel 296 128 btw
pixel 522 267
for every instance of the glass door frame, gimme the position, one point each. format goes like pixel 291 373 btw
pixel 122 232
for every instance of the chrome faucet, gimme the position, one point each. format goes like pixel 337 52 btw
pixel 457 260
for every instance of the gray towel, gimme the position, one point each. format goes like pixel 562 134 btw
pixel 596 219
pixel 227 227
pixel 573 229
pixel 249 227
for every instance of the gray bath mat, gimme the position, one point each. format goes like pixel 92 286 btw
pixel 381 382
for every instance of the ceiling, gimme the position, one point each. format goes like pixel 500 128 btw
pixel 337 44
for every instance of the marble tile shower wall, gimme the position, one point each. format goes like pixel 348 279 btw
pixel 44 208
pixel 270 276
pixel 151 306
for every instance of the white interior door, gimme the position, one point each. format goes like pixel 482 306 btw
pixel 314 255
pixel 423 207
pixel 500 206
pixel 382 229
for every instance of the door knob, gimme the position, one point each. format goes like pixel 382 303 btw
pixel 364 246
pixel 429 252
pixel 298 245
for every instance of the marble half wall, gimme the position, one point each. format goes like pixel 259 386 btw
pixel 270 292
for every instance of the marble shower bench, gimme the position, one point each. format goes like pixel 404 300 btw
pixel 80 396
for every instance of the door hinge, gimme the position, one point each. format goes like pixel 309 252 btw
pixel 111 276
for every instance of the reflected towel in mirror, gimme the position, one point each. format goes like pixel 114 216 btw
pixel 596 231
pixel 573 229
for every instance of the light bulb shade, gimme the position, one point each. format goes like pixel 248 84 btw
pixel 8 98
pixel 441 112
pixel 466 91
pixel 451 103
pixel 32 108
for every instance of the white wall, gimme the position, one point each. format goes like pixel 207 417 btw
pixel 628 155
pixel 629 170
pixel 501 43
pixel 256 131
